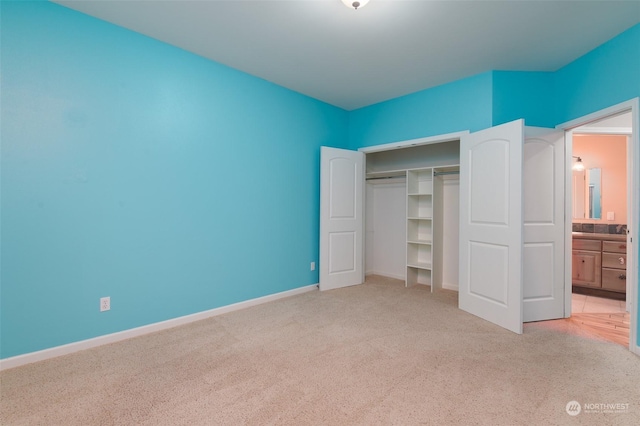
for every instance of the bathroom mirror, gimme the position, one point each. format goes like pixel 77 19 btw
pixel 587 194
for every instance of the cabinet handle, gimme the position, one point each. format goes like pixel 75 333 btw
pixel 623 246
pixel 621 260
pixel 622 277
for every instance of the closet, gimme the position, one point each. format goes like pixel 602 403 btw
pixel 482 210
pixel 411 214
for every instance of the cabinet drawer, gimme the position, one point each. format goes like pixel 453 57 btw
pixel 613 260
pixel 587 268
pixel 579 244
pixel 614 246
pixel 614 280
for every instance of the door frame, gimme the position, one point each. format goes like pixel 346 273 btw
pixel 611 131
pixel 633 210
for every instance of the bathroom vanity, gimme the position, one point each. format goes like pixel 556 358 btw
pixel 599 264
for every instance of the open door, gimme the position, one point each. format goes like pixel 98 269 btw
pixel 491 227
pixel 544 223
pixel 341 218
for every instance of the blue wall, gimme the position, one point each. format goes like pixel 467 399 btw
pixel 527 95
pixel 472 104
pixel 135 170
pixel 458 106
pixel 606 76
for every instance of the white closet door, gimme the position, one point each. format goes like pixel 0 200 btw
pixel 491 224
pixel 543 253
pixel 341 218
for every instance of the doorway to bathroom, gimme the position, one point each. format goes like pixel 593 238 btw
pixel 602 262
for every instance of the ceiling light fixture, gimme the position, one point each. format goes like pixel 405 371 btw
pixel 579 165
pixel 355 4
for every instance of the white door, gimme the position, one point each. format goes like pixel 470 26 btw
pixel 341 218
pixel 543 252
pixel 491 224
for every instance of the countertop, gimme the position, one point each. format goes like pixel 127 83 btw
pixel 594 236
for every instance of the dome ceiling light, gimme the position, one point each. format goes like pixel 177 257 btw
pixel 355 4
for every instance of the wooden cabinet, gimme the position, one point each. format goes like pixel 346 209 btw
pixel 587 268
pixel 600 262
pixel 614 266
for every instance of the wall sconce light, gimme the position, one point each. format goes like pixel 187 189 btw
pixel 355 4
pixel 579 165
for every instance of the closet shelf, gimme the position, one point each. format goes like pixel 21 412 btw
pixel 420 265
pixel 420 218
pixel 420 241
pixel 386 174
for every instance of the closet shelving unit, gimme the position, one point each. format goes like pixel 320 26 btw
pixel 427 252
pixel 424 223
pixel 419 226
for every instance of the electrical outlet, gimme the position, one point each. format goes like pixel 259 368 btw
pixel 313 266
pixel 105 304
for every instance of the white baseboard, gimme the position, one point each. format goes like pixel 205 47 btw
pixel 386 274
pixel 450 286
pixel 57 351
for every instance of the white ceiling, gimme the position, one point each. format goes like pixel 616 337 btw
pixel 387 49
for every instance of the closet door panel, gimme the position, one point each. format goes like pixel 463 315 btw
pixel 543 239
pixel 341 218
pixel 491 225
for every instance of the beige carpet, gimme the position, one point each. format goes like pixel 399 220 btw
pixel 375 354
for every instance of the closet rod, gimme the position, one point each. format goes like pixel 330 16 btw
pixel 385 177
pixel 447 173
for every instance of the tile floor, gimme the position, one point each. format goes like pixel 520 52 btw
pixel 581 303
